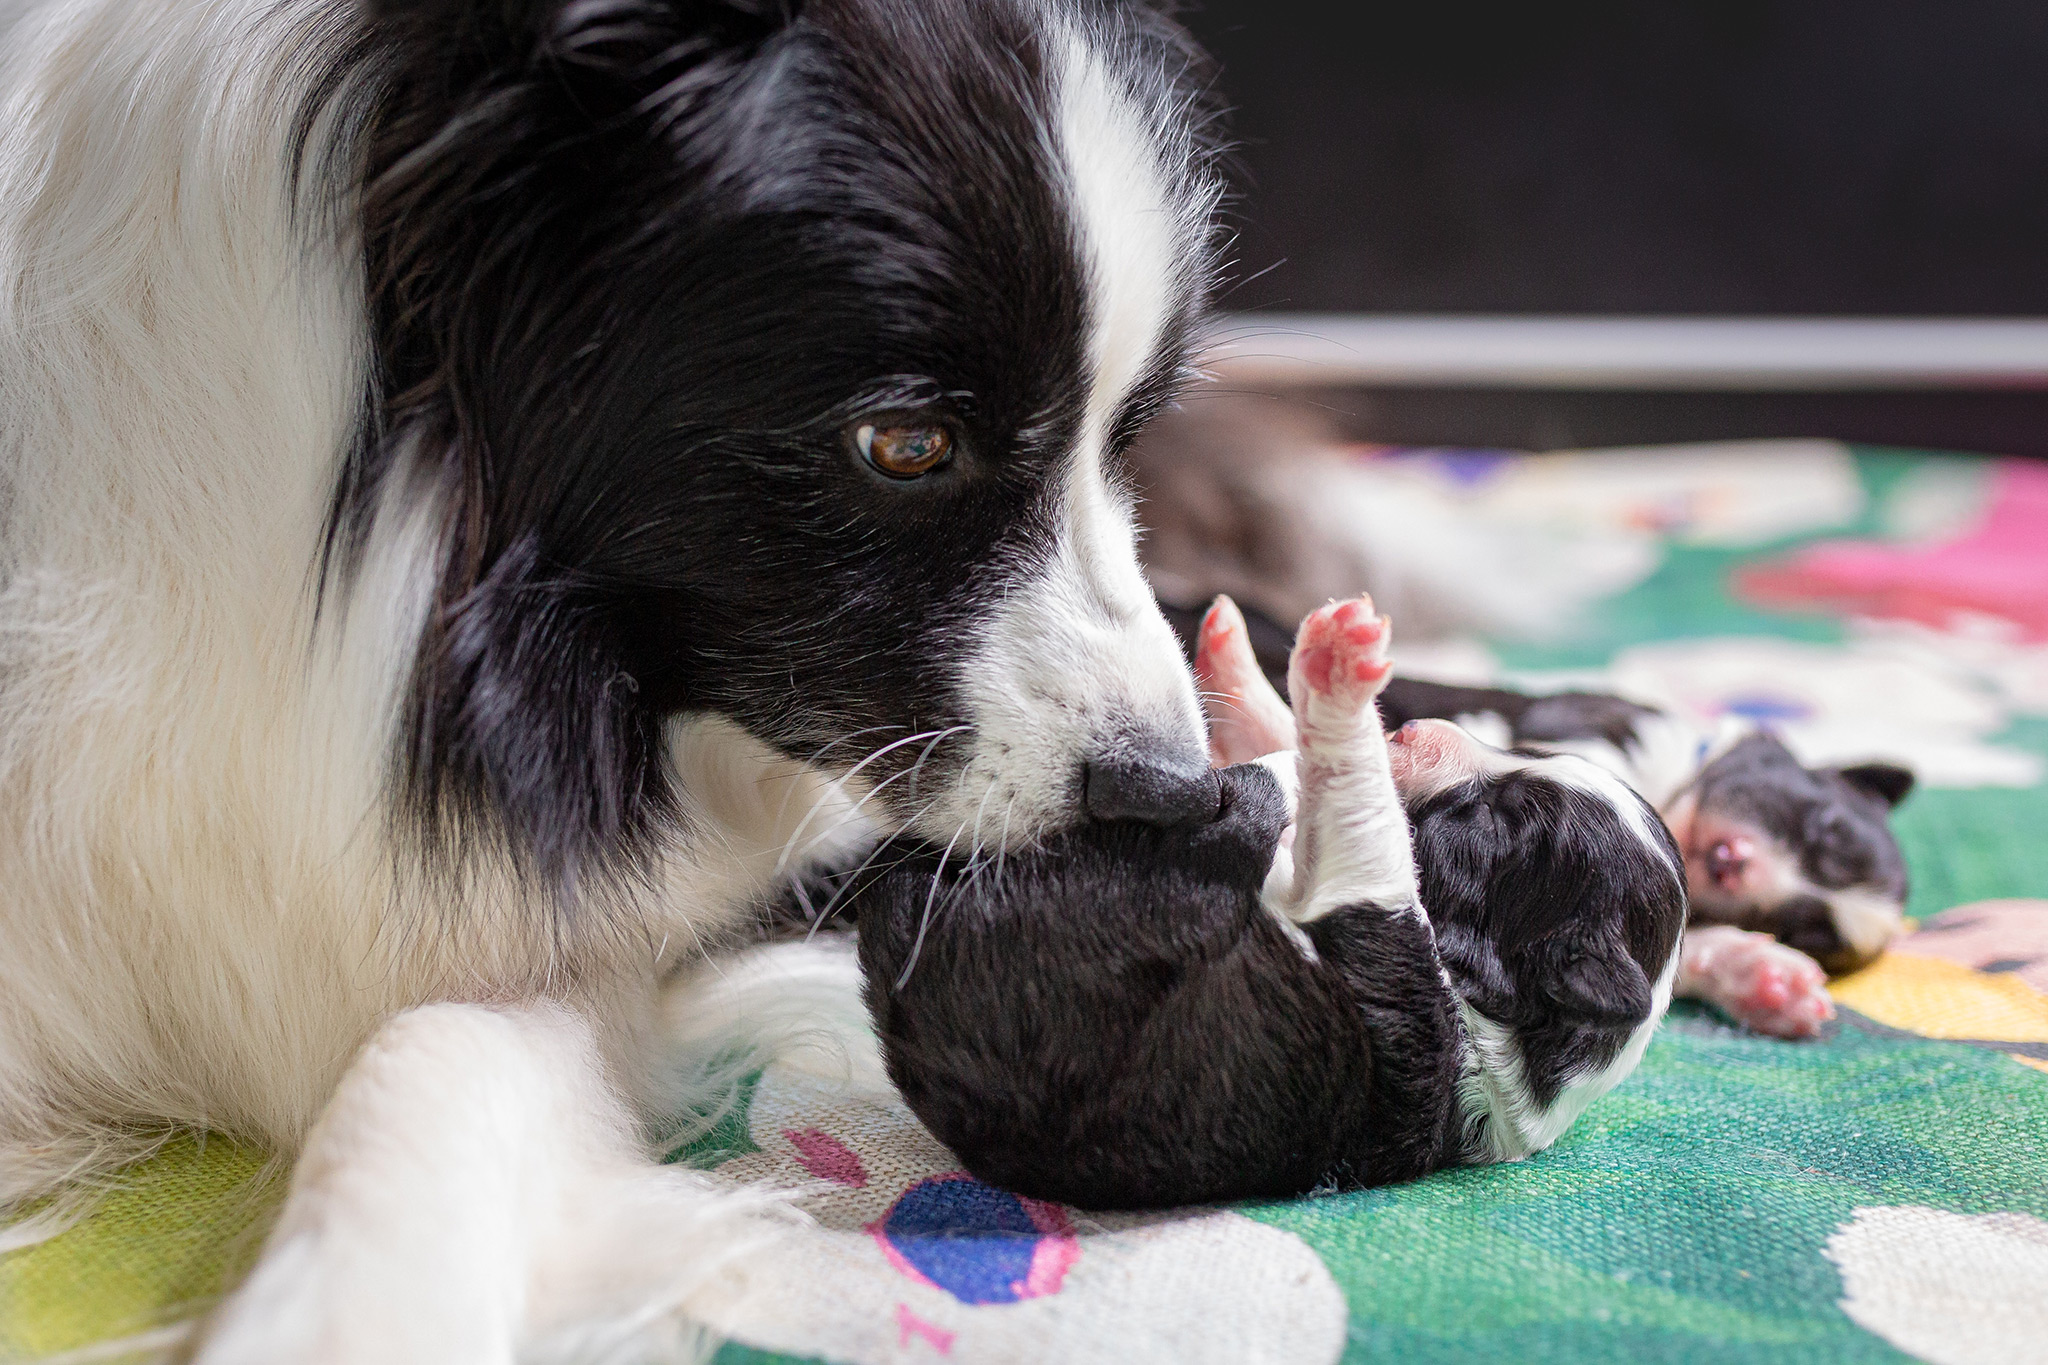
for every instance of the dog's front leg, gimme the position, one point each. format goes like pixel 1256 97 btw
pixel 475 1187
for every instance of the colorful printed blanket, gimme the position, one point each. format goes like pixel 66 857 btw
pixel 1880 1194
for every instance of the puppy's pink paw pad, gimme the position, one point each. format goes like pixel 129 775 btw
pixel 1218 630
pixel 1770 988
pixel 1356 623
pixel 1341 651
pixel 1353 622
pixel 1316 663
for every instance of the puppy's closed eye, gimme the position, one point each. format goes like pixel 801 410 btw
pixel 1838 852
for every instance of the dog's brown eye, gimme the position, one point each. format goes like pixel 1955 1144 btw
pixel 903 452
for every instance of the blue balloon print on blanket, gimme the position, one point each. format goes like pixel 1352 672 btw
pixel 980 1244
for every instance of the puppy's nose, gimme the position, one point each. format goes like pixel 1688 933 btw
pixel 1157 791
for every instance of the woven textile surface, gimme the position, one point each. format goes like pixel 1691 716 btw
pixel 1879 1194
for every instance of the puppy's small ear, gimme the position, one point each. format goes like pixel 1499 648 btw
pixel 1597 981
pixel 1888 782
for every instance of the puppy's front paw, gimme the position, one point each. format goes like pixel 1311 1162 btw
pixel 1340 657
pixel 1247 718
pixel 1759 982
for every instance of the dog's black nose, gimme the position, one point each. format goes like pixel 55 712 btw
pixel 1154 790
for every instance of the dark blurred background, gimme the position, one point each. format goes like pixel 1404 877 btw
pixel 1728 157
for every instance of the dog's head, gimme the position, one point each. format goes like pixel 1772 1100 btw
pixel 1558 899
pixel 774 359
pixel 1804 854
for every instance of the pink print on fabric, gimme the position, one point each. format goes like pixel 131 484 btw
pixel 909 1324
pixel 826 1157
pixel 2000 568
pixel 1057 1250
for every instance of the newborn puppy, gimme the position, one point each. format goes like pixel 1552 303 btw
pixel 1773 850
pixel 1133 1016
pixel 1805 854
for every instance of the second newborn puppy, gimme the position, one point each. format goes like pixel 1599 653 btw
pixel 1134 1016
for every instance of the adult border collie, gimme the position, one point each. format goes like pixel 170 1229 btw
pixel 489 487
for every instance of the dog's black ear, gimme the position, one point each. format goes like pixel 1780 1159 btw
pixel 579 29
pixel 483 19
pixel 515 14
pixel 1594 978
pixel 1888 782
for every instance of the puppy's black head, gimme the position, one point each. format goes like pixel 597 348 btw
pixel 773 361
pixel 1558 905
pixel 1115 1021
pixel 1805 854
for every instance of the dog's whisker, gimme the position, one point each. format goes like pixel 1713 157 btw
pixel 982 809
pixel 873 792
pixel 975 865
pixel 916 767
pixel 803 897
pixel 852 879
pixel 911 772
pixel 1230 700
pixel 1003 848
pixel 838 788
pixel 818 753
pixel 925 920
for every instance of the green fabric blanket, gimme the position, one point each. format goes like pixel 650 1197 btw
pixel 1879 1194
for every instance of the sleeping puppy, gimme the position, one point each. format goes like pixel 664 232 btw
pixel 1805 854
pixel 1459 951
pixel 1790 871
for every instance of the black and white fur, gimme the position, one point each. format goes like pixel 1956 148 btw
pixel 439 593
pixel 1139 1016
